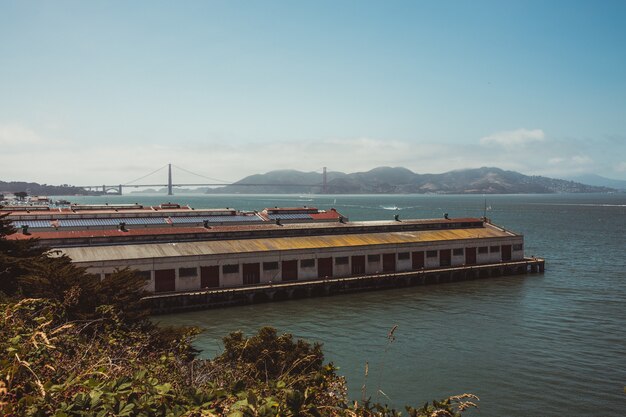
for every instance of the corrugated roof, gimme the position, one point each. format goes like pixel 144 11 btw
pixel 200 231
pixel 181 249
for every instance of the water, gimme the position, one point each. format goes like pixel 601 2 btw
pixel 536 345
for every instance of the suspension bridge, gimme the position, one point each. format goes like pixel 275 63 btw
pixel 206 182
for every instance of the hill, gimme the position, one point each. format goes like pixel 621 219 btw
pixel 33 188
pixel 398 180
pixel 600 181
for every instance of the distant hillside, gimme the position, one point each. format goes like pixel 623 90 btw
pixel 388 180
pixel 599 181
pixel 33 188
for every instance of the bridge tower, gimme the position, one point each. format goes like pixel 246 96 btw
pixel 169 179
pixel 325 182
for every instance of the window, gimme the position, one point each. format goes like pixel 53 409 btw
pixel 230 269
pixel 307 263
pixel 373 258
pixel 457 252
pixel 494 249
pixel 404 255
pixel 187 272
pixel 342 260
pixel 270 266
pixel 518 247
pixel 145 274
pixel 483 249
pixel 431 254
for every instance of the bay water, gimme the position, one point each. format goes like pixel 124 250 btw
pixel 549 344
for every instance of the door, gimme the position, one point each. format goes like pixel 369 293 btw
pixel 445 257
pixel 506 253
pixel 470 256
pixel 358 265
pixel 164 280
pixel 209 276
pixel 251 273
pixel 324 267
pixel 389 262
pixel 290 270
pixel 417 260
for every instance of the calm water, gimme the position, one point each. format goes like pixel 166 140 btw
pixel 536 345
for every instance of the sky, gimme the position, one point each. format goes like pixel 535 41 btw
pixel 95 92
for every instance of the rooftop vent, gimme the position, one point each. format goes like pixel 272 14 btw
pixel 169 205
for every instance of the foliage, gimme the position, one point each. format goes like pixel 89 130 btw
pixel 21 195
pixel 16 256
pixel 72 345
pixel 28 270
pixel 54 367
pixel 51 366
pixel 270 356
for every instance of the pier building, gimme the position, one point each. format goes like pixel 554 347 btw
pixel 183 252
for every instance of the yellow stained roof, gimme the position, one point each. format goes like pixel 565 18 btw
pixel 218 247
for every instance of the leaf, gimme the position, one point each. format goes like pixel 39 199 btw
pixel 127 410
pixel 95 396
pixel 125 387
pixel 163 389
pixel 240 404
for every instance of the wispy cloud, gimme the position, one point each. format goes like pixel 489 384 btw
pixel 12 135
pixel 513 138
pixel 67 163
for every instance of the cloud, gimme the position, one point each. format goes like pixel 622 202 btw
pixel 581 160
pixel 86 164
pixel 13 135
pixel 513 138
pixel 556 160
pixel 231 162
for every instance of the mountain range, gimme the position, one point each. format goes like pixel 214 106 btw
pixel 398 180
pixel 381 180
pixel 593 179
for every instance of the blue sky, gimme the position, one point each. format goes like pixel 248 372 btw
pixel 107 91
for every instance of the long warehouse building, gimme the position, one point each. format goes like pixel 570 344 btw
pixel 181 249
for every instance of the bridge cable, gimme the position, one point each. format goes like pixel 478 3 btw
pixel 203 176
pixel 147 175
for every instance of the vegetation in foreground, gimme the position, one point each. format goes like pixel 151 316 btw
pixel 72 345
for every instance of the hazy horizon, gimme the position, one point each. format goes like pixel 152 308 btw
pixel 159 177
pixel 107 92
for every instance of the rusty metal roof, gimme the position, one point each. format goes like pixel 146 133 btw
pixel 322 226
pixel 240 246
